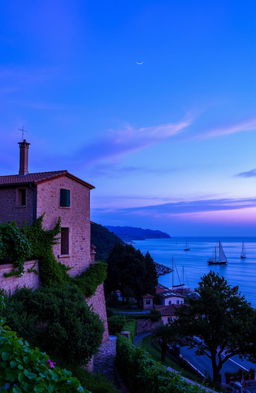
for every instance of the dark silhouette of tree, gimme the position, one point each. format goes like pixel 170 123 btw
pixel 130 272
pixel 166 335
pixel 219 323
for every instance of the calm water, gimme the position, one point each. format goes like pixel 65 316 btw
pixel 236 272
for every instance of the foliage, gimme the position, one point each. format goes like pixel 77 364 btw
pixel 25 370
pixel 104 240
pixel 130 272
pixel 131 326
pixel 88 281
pixel 222 319
pixel 144 375
pixel 96 383
pixel 57 320
pixel 14 247
pixel 116 323
pixel 166 335
pixel 150 275
pixel 51 271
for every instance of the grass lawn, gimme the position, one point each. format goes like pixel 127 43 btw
pixel 154 351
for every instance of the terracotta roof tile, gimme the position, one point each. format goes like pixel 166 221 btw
pixel 38 177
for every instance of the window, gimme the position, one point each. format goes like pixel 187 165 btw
pixel 178 302
pixel 170 302
pixel 22 197
pixel 64 241
pixel 148 301
pixel 64 197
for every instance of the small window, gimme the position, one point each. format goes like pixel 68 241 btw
pixel 64 241
pixel 178 302
pixel 22 197
pixel 64 197
pixel 170 302
pixel 148 301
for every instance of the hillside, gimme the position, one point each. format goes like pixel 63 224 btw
pixel 104 240
pixel 134 233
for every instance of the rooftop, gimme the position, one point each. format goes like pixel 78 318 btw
pixel 38 177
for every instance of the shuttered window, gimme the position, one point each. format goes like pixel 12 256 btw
pixel 64 241
pixel 64 197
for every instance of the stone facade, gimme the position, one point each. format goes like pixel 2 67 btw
pixel 76 218
pixel 27 280
pixel 10 209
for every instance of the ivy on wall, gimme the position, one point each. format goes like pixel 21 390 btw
pixel 88 281
pixel 14 247
pixel 34 242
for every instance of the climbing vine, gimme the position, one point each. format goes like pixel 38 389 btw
pixel 34 242
pixel 88 281
pixel 51 271
pixel 14 247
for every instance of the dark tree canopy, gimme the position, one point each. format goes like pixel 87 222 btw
pixel 130 272
pixel 222 319
pixel 57 320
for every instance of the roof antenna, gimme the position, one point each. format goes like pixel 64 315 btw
pixel 22 130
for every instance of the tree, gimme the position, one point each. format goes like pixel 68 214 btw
pixel 166 335
pixel 219 323
pixel 151 275
pixel 57 320
pixel 130 272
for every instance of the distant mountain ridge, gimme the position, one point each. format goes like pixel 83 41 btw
pixel 135 233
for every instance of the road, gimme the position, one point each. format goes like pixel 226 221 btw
pixel 203 363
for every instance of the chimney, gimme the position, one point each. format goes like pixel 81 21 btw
pixel 24 146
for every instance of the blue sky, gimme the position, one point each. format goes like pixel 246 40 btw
pixel 169 144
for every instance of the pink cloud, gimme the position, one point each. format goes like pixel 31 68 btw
pixel 247 125
pixel 130 139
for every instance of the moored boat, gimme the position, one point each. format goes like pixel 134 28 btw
pixel 243 252
pixel 219 257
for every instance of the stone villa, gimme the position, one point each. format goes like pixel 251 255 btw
pixel 26 196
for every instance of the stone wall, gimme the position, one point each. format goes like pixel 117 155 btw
pixel 9 209
pixel 76 218
pixel 28 280
pixel 98 305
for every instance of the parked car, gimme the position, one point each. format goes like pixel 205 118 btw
pixel 237 387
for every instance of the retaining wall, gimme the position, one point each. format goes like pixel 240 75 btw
pixel 28 279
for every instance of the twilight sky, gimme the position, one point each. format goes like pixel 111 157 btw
pixel 170 144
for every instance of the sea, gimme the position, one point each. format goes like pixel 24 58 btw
pixel 190 266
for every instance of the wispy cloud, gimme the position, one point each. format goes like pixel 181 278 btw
pixel 247 125
pixel 131 139
pixel 113 170
pixel 251 173
pixel 187 207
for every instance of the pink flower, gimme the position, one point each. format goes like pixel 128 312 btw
pixel 51 364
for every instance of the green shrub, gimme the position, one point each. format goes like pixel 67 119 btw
pixel 27 370
pixel 96 383
pixel 57 320
pixel 144 375
pixel 14 247
pixel 116 323
pixel 131 326
pixel 88 281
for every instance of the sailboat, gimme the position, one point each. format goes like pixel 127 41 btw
pixel 219 257
pixel 243 253
pixel 187 248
